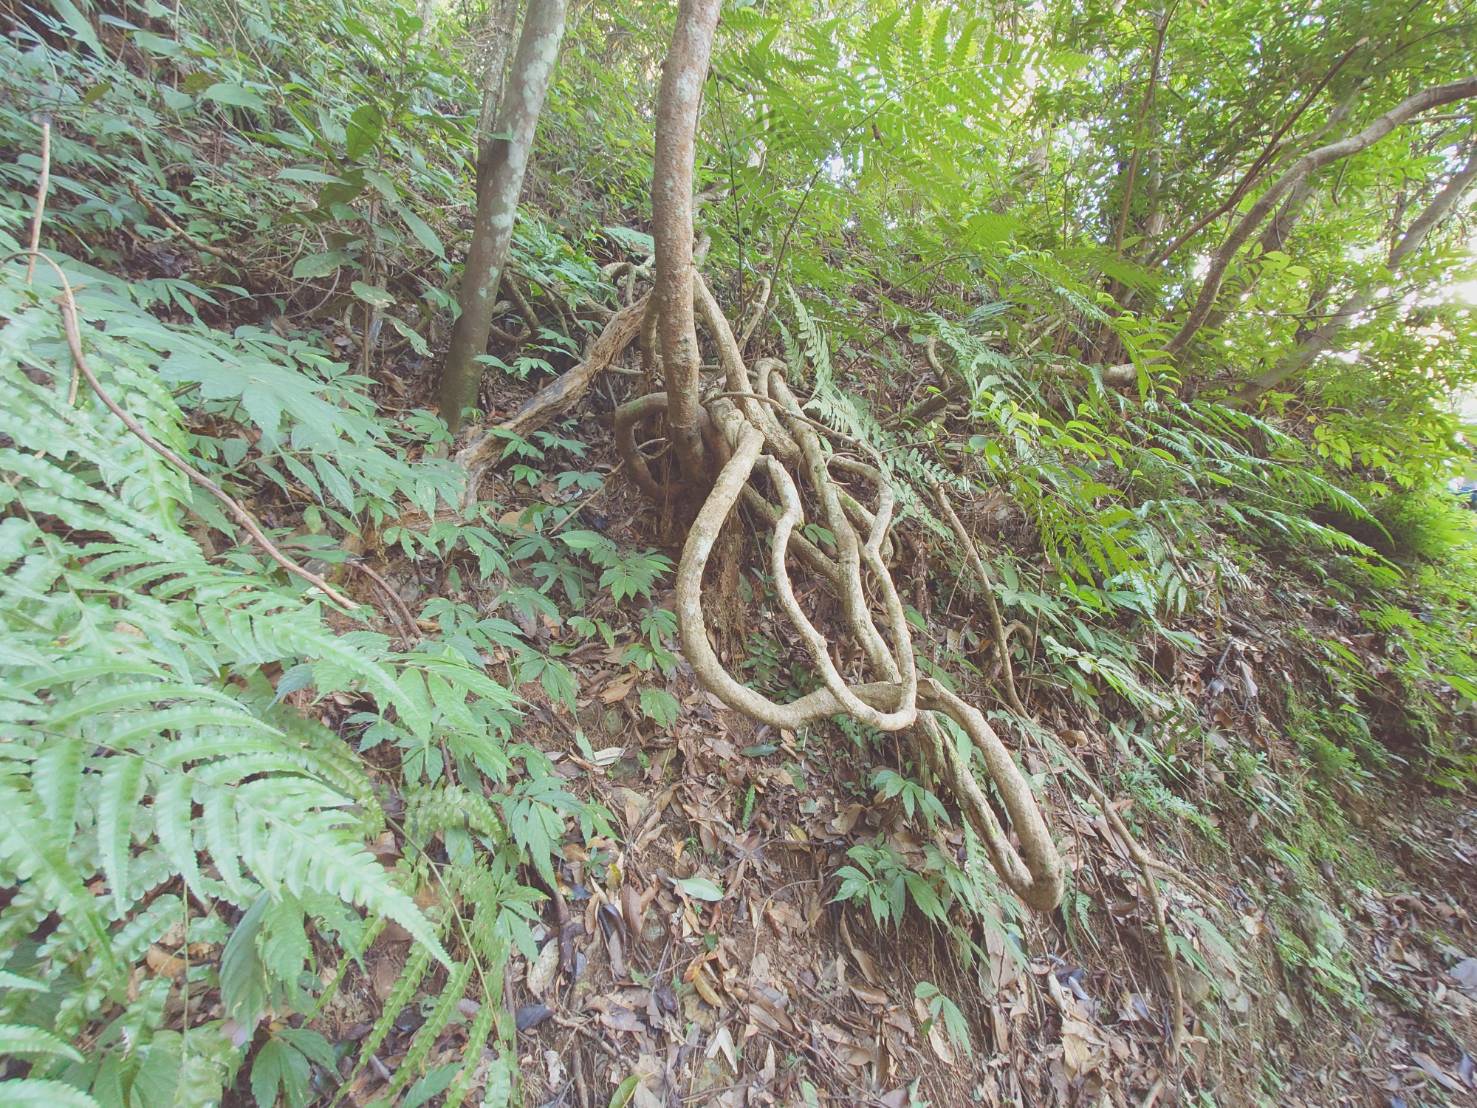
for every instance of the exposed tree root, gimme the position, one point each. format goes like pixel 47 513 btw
pixel 764 449
pixel 774 459
pixel 1142 859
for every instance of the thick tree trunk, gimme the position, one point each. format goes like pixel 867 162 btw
pixel 683 76
pixel 499 183
pixel 1308 164
pixel 1323 338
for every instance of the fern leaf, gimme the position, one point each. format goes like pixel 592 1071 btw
pixel 16 1039
pixel 34 1093
pixel 116 801
pixel 400 996
pixel 222 838
pixel 55 777
pixel 305 850
pixel 477 1036
pixel 27 843
pixel 173 825
pixel 425 1038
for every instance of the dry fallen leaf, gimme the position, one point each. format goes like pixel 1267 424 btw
pixel 1465 975
pixel 618 689
pixel 705 989
pixel 1081 1047
pixel 723 1041
pixel 1430 1067
pixel 541 974
pixel 163 963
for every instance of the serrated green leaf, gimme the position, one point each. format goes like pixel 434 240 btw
pixel 19 1039
pixel 117 800
pixel 31 1092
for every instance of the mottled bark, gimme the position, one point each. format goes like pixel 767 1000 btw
pixel 1323 337
pixel 502 23
pixel 683 76
pixel 1306 165
pixel 499 184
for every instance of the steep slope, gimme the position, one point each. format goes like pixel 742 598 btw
pixel 479 832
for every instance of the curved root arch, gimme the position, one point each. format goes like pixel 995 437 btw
pixel 766 449
pixel 752 430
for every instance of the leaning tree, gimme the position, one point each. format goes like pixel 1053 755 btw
pixel 743 443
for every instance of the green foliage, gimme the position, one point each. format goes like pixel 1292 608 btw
pixel 883 881
pixel 149 744
pixel 251 196
pixel 944 1011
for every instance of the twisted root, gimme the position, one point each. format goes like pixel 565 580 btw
pixel 752 428
pixel 755 432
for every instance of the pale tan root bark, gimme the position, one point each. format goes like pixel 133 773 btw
pixel 767 449
pixel 1145 862
pixel 754 429
pixel 757 435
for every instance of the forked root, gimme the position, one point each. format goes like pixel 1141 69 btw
pixel 767 450
pixel 776 459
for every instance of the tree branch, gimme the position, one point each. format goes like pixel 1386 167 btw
pixel 1323 337
pixel 1306 165
pixel 1145 109
pixel 1263 159
pixel 70 325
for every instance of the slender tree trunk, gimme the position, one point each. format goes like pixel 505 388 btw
pixel 499 184
pixel 683 76
pixel 1279 228
pixel 1141 128
pixel 1308 164
pixel 502 22
pixel 1323 337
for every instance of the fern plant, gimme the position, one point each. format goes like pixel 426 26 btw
pixel 160 787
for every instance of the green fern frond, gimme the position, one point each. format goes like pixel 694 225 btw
pixel 426 1035
pixel 29 1092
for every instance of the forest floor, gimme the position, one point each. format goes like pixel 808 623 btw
pixel 703 955
pixel 798 999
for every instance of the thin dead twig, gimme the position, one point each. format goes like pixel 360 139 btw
pixel 589 1033
pixel 987 590
pixel 402 611
pixel 225 254
pixel 43 183
pixel 67 304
